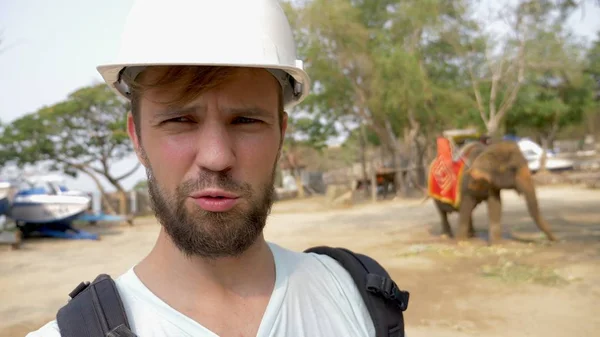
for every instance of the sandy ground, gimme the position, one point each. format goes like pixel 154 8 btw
pixel 525 287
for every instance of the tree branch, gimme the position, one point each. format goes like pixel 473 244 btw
pixel 475 85
pixel 496 77
pixel 511 97
pixel 97 170
pixel 130 172
pixel 104 162
pixel 546 65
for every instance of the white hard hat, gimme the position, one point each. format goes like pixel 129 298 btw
pixel 243 33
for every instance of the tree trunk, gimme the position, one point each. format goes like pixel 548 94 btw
pixel 547 141
pixel 492 128
pixel 363 159
pixel 544 157
pixel 104 199
pixel 123 209
pixel 420 163
pixel 299 184
pixel 373 184
pixel 410 142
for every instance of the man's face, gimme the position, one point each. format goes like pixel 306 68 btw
pixel 211 163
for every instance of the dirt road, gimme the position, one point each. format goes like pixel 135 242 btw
pixel 525 287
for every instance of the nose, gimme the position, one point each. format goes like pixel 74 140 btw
pixel 215 147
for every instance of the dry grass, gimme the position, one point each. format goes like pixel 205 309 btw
pixel 514 272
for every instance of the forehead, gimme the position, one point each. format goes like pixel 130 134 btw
pixel 179 86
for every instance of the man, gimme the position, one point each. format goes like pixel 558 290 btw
pixel 208 83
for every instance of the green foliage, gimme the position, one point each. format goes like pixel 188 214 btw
pixel 382 63
pixel 418 67
pixel 87 131
pixel 141 185
pixel 554 97
pixel 593 64
pixel 402 68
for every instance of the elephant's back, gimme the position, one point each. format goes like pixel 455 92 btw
pixel 504 153
pixel 470 151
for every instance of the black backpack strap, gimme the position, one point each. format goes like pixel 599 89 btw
pixel 95 310
pixel 384 300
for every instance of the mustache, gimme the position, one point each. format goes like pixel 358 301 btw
pixel 207 179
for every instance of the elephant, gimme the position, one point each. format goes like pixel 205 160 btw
pixel 490 168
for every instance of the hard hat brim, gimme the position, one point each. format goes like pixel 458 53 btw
pixel 110 74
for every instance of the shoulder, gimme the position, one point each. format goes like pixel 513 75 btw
pixel 313 266
pixel 50 329
pixel 323 281
pixel 317 265
pixel 320 271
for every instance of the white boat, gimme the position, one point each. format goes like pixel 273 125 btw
pixel 533 153
pixel 46 201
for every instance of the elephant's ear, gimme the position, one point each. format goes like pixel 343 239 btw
pixel 478 174
pixel 479 181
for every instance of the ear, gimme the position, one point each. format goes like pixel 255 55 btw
pixel 478 174
pixel 479 180
pixel 134 138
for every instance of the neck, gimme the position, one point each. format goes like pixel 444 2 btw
pixel 167 272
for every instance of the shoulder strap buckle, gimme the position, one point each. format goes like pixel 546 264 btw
pixel 94 310
pixel 81 287
pixel 382 297
pixel 387 288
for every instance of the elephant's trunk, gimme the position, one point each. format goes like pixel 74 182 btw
pixel 524 184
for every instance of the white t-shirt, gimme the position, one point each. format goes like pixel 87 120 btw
pixel 314 296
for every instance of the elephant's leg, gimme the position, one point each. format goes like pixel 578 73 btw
pixel 444 217
pixel 495 215
pixel 471 228
pixel 465 223
pixel 524 184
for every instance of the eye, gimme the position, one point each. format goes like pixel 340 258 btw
pixel 178 120
pixel 245 120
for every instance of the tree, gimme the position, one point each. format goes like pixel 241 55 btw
pixel 419 83
pixel 593 63
pixel 499 66
pixel 304 131
pixel 366 62
pixel 556 92
pixel 549 106
pixel 86 133
pixel 593 71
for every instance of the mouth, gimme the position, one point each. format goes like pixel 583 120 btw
pixel 215 200
pixel 214 193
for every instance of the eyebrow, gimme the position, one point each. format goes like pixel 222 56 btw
pixel 249 111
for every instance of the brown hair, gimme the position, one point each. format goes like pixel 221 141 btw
pixel 189 82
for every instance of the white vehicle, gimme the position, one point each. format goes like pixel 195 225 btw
pixel 533 153
pixel 45 201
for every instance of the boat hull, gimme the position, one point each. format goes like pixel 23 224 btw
pixel 42 209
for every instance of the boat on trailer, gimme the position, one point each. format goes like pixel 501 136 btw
pixel 43 204
pixel 46 201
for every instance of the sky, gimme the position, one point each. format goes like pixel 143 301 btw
pixel 52 48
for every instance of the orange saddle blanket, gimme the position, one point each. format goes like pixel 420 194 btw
pixel 444 175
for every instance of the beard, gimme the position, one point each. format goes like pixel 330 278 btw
pixel 212 234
